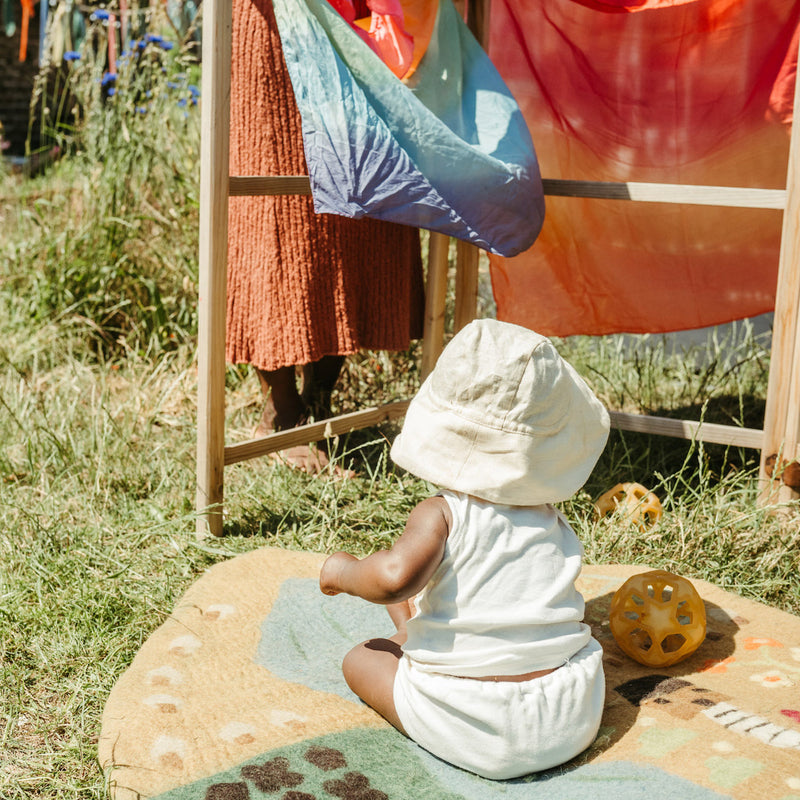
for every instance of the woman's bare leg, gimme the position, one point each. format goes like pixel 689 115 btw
pixel 283 406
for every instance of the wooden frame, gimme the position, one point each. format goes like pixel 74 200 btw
pixel 780 437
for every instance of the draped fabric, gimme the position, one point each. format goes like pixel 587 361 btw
pixel 446 150
pixel 302 285
pixel 692 92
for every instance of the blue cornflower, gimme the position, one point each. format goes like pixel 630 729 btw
pixel 108 78
pixel 173 85
pixel 193 90
pixel 101 13
pixel 153 37
pixel 166 45
pixel 140 44
pixel 72 55
pixel 141 109
pixel 112 91
pixel 183 102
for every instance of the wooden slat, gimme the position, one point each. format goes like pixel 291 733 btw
pixel 730 196
pixel 314 432
pixel 782 412
pixel 688 429
pixel 435 296
pixel 346 423
pixel 257 185
pixel 668 193
pixel 213 254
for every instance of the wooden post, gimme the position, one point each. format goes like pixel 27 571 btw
pixel 478 20
pixel 435 297
pixel 782 413
pixel 466 307
pixel 213 257
pixel 467 255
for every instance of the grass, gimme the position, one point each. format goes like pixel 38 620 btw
pixel 97 447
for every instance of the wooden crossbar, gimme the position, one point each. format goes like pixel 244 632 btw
pixel 728 196
pixel 357 420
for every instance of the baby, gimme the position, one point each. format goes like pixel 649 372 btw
pixel 491 667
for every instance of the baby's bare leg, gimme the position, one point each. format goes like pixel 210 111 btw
pixel 369 669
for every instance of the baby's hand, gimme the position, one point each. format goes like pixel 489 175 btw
pixel 331 571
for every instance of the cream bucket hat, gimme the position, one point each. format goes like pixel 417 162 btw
pixel 503 417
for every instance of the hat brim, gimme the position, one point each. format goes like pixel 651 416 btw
pixel 502 466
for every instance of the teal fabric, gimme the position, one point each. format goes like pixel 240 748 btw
pixel 448 150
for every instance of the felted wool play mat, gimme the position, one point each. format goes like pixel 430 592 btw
pixel 239 696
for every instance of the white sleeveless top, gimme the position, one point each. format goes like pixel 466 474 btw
pixel 503 600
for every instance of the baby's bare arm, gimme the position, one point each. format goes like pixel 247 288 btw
pixel 389 576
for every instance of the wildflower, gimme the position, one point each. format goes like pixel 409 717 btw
pixel 141 109
pixel 166 45
pixel 112 91
pixel 173 85
pixel 72 55
pixel 108 78
pixel 182 102
pixel 101 14
pixel 193 90
pixel 155 38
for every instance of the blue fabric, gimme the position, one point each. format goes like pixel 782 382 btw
pixel 448 150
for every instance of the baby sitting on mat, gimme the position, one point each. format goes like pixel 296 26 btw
pixel 491 667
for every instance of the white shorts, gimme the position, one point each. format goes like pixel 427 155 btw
pixel 504 729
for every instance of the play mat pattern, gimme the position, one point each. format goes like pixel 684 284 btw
pixel 239 696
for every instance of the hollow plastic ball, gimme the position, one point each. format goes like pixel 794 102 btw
pixel 657 618
pixel 633 501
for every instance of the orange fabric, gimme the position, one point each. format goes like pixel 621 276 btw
pixel 397 30
pixel 689 92
pixel 27 13
pixel 302 285
pixel 419 17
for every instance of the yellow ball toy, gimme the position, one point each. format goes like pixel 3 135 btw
pixel 635 503
pixel 657 618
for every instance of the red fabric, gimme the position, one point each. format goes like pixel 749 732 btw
pixel 383 31
pixel 692 92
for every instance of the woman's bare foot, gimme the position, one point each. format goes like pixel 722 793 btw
pixel 310 458
pixel 285 408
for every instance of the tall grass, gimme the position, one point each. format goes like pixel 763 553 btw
pixel 97 434
pixel 121 263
